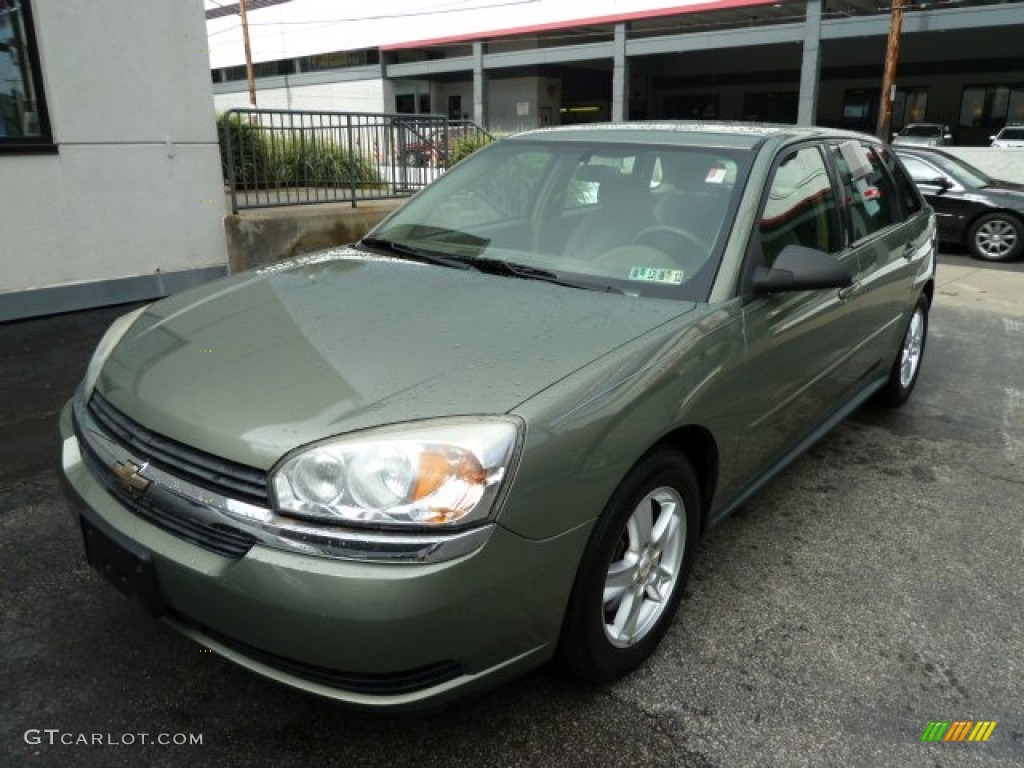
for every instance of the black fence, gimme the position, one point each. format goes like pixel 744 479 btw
pixel 274 157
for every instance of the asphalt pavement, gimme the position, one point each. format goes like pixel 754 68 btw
pixel 873 587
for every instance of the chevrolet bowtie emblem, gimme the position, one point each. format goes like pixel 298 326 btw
pixel 126 475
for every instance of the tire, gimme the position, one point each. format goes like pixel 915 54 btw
pixel 602 640
pixel 905 370
pixel 996 237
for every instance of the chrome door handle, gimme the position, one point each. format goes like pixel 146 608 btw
pixel 848 291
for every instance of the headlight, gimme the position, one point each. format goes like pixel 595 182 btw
pixel 113 335
pixel 440 473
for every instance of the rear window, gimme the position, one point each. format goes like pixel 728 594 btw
pixel 922 130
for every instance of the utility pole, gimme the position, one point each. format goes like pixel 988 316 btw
pixel 242 9
pixel 892 57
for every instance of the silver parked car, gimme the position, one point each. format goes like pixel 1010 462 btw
pixel 925 135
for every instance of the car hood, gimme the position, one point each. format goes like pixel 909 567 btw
pixel 253 366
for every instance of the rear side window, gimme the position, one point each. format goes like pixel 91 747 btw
pixel 908 194
pixel 800 208
pixel 870 200
pixel 920 171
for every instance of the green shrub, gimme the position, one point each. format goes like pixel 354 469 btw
pixel 317 162
pixel 290 160
pixel 466 146
pixel 248 148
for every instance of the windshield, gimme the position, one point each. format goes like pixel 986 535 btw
pixel 965 173
pixel 1016 134
pixel 641 219
pixel 922 130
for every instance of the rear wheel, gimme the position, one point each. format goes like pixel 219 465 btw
pixel 633 572
pixel 903 375
pixel 996 237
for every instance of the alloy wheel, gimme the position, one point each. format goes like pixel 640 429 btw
pixel 996 238
pixel 913 344
pixel 645 567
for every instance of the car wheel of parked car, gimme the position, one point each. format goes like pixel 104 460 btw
pixel 633 572
pixel 903 375
pixel 996 237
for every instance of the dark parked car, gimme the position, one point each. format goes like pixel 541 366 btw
pixel 492 432
pixel 924 134
pixel 972 208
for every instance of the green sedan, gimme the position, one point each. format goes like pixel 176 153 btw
pixel 492 433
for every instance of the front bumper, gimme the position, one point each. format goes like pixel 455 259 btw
pixel 374 635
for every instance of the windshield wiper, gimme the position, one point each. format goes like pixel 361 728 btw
pixel 512 269
pixel 414 254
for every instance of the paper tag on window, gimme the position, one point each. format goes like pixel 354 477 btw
pixel 715 176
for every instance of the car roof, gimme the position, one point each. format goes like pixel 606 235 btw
pixel 696 133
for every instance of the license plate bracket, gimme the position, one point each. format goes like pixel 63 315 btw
pixel 124 564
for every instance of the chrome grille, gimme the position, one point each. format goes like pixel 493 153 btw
pixel 222 476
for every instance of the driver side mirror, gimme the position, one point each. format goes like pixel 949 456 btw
pixel 799 268
pixel 939 181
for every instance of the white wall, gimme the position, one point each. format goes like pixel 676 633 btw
pixel 135 187
pixel 351 96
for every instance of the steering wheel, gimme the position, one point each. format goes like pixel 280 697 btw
pixel 659 233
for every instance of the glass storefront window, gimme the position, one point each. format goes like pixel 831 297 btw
pixel 24 123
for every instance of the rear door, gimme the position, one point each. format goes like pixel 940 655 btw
pixel 799 344
pixel 888 228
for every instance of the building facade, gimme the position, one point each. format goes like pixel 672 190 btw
pixel 110 183
pixel 806 61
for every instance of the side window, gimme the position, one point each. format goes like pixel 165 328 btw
pixel 24 121
pixel 920 172
pixel 800 208
pixel 870 199
pixel 908 193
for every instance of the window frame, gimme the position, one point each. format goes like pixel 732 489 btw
pixel 851 239
pixel 754 254
pixel 42 143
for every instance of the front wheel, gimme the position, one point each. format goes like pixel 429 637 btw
pixel 633 572
pixel 903 375
pixel 996 237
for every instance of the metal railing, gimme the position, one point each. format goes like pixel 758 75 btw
pixel 275 157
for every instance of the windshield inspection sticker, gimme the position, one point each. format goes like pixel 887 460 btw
pixel 653 275
pixel 715 176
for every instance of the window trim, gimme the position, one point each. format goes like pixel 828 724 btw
pixel 43 143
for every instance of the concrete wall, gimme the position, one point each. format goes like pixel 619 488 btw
pixel 135 186
pixel 1005 164
pixel 508 97
pixel 350 96
pixel 258 238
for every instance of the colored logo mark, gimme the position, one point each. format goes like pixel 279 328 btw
pixel 958 730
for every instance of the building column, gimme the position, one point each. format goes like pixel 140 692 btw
pixel 620 77
pixel 479 86
pixel 810 68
